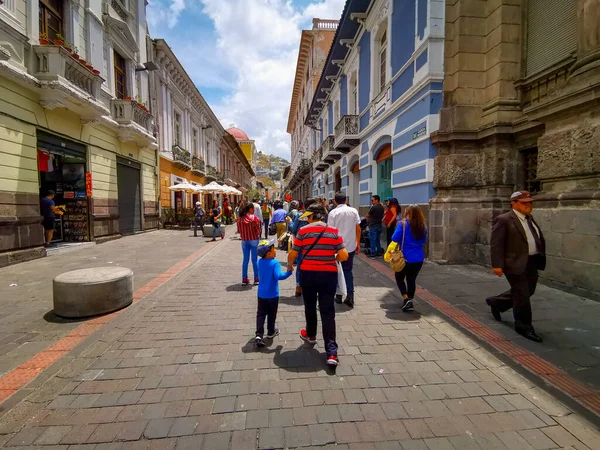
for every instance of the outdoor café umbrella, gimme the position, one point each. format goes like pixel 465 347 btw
pixel 213 188
pixel 183 187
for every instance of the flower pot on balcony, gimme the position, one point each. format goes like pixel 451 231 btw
pixel 89 67
pixel 82 61
pixel 44 41
pixel 58 42
pixel 75 56
pixel 127 98
pixel 96 72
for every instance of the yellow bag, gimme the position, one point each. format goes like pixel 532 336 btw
pixel 394 254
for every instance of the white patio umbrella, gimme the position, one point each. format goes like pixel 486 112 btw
pixel 213 188
pixel 183 187
pixel 234 191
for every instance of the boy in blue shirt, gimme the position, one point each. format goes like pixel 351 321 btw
pixel 270 273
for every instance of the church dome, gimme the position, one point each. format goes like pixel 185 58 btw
pixel 238 134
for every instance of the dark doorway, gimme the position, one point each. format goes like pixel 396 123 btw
pixel 130 207
pixel 338 181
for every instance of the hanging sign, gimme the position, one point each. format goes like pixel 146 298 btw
pixel 88 184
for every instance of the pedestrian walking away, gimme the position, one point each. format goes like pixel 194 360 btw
pixel 48 210
pixel 280 219
pixel 347 221
pixel 320 246
pixel 267 213
pixel 410 235
pixel 375 218
pixel 392 213
pixel 198 219
pixel 216 215
pixel 518 251
pixel 250 229
pixel 268 290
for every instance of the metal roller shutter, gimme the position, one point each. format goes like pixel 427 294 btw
pixel 130 208
pixel 551 33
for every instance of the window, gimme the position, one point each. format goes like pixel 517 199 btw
pixel 120 79
pixel 354 95
pixel 177 128
pixel 336 112
pixel 51 18
pixel 195 140
pixel 530 160
pixel 383 61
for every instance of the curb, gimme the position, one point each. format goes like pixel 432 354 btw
pixel 580 396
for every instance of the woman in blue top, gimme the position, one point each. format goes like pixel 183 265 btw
pixel 413 229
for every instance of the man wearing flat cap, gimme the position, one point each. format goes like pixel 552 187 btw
pixel 518 251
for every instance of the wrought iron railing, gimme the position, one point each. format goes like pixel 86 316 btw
pixel 197 164
pixel 348 126
pixel 182 156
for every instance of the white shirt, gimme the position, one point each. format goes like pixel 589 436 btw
pixel 530 239
pixel 345 219
pixel 258 211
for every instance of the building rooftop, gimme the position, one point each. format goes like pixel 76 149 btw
pixel 238 134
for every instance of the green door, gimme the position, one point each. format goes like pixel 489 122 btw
pixel 384 179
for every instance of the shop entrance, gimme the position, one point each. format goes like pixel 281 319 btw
pixel 62 168
pixel 384 172
pixel 130 205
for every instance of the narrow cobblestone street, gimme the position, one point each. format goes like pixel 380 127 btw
pixel 178 370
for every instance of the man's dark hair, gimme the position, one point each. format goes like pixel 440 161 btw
pixel 340 198
pixel 51 192
pixel 377 197
pixel 309 201
pixel 318 211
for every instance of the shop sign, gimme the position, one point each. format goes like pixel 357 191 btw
pixel 69 194
pixel 420 132
pixel 88 184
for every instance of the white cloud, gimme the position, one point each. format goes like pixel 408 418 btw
pixel 254 57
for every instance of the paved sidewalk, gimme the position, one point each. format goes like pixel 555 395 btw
pixel 177 370
pixel 27 324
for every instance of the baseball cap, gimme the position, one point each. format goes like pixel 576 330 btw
pixel 388 199
pixel 264 246
pixel 315 208
pixel 198 203
pixel 521 196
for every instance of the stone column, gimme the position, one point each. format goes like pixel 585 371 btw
pixel 588 31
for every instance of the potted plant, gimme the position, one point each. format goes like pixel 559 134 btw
pixel 127 97
pixel 60 40
pixel 68 46
pixel 89 67
pixel 44 39
pixel 75 53
pixel 96 72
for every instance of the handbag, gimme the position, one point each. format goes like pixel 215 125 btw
pixel 397 259
pixel 341 281
pixel 272 229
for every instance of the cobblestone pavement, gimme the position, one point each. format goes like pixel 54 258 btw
pixel 178 370
pixel 27 325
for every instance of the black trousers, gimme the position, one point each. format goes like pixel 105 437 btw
pixel 267 308
pixel 390 233
pixel 410 272
pixel 522 287
pixel 320 286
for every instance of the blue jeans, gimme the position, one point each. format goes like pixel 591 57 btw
pixel 216 225
pixel 348 275
pixel 249 247
pixel 266 221
pixel 375 238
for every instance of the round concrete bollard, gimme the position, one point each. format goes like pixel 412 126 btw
pixel 89 292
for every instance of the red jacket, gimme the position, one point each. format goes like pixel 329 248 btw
pixel 249 227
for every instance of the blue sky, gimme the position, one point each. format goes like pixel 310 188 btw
pixel 242 56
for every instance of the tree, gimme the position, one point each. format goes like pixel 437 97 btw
pixel 252 194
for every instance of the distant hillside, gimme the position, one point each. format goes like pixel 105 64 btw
pixel 269 166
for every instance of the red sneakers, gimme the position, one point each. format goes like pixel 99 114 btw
pixel 333 360
pixel 256 280
pixel 245 281
pixel 305 337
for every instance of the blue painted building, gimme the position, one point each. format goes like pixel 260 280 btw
pixel 378 100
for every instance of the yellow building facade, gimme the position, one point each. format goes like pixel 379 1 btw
pixel 66 128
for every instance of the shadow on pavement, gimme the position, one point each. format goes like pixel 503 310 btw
pixel 292 300
pixel 305 358
pixel 237 287
pixel 53 318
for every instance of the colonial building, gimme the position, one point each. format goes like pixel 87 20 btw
pixel 74 118
pixel 189 134
pixel 376 102
pixel 521 111
pixel 314 47
pixel 248 147
pixel 236 170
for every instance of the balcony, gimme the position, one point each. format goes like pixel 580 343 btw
pixel 330 154
pixel 317 159
pixel 212 174
pixel 67 83
pixel 198 167
pixel 346 133
pixel 182 159
pixel 134 119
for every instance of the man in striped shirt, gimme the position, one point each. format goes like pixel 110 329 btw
pixel 320 246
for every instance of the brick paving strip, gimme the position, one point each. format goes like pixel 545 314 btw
pixel 588 398
pixel 178 371
pixel 12 381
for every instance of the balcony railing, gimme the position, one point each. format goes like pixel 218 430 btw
pixel 198 166
pixel 330 154
pixel 182 158
pixel 127 112
pixel 346 133
pixel 318 162
pixel 56 64
pixel 325 24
